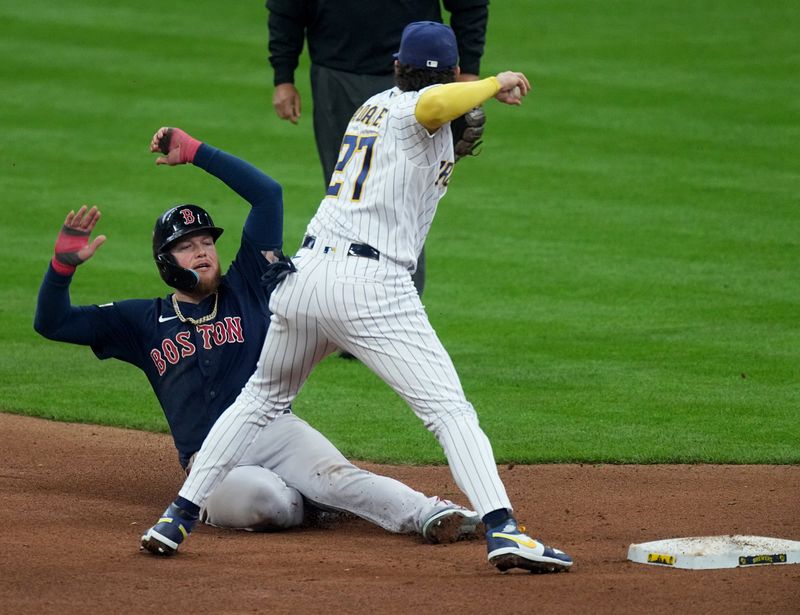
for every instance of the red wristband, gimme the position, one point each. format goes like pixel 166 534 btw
pixel 62 268
pixel 189 145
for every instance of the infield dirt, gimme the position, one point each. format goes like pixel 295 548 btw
pixel 75 499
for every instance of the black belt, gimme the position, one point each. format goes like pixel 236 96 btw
pixel 355 249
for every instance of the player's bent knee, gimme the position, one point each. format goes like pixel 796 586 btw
pixel 461 414
pixel 254 498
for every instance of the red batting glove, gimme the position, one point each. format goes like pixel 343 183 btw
pixel 178 146
pixel 72 244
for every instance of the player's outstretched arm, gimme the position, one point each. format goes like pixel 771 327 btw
pixel 56 318
pixel 265 195
pixel 439 105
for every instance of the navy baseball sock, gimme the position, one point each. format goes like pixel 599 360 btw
pixel 496 517
pixel 191 509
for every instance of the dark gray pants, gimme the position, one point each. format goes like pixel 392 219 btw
pixel 336 95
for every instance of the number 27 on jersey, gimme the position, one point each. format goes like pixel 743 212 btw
pixel 351 145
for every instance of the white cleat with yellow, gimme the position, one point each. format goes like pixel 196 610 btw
pixel 509 547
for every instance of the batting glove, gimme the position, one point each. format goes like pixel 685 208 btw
pixel 72 244
pixel 178 146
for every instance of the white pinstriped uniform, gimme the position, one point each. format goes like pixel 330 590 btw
pixel 392 209
pixel 391 176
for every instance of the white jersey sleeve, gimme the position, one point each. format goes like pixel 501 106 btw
pixel 388 180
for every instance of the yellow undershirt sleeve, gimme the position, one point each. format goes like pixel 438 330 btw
pixel 440 105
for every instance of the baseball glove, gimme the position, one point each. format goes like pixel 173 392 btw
pixel 467 132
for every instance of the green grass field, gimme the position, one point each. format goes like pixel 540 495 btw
pixel 616 276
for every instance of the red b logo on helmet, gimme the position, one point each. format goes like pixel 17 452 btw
pixel 188 216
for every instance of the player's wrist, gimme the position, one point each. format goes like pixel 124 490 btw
pixel 188 144
pixel 190 150
pixel 496 82
pixel 65 254
pixel 62 268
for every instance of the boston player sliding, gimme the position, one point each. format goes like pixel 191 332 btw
pixel 353 290
pixel 198 345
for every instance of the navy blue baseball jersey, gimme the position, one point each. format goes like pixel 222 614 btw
pixel 196 371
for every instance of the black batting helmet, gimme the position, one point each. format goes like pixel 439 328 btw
pixel 173 224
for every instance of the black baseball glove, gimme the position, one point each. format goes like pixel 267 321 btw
pixel 467 132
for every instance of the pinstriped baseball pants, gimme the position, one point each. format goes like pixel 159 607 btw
pixel 371 309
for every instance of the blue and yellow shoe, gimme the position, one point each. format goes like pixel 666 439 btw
pixel 172 528
pixel 509 547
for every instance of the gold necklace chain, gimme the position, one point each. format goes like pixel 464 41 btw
pixel 193 321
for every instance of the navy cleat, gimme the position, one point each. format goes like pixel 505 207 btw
pixel 509 547
pixel 450 523
pixel 172 528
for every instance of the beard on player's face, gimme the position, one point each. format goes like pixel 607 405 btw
pixel 209 282
pixel 199 253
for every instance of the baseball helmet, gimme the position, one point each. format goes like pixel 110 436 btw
pixel 172 225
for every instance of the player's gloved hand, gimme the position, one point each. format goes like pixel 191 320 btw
pixel 72 244
pixel 513 87
pixel 467 132
pixel 277 271
pixel 177 146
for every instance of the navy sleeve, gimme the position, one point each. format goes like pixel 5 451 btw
pixel 109 330
pixel 56 318
pixel 264 224
pixel 125 330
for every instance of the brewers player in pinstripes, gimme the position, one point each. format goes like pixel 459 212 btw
pixel 198 346
pixel 353 290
